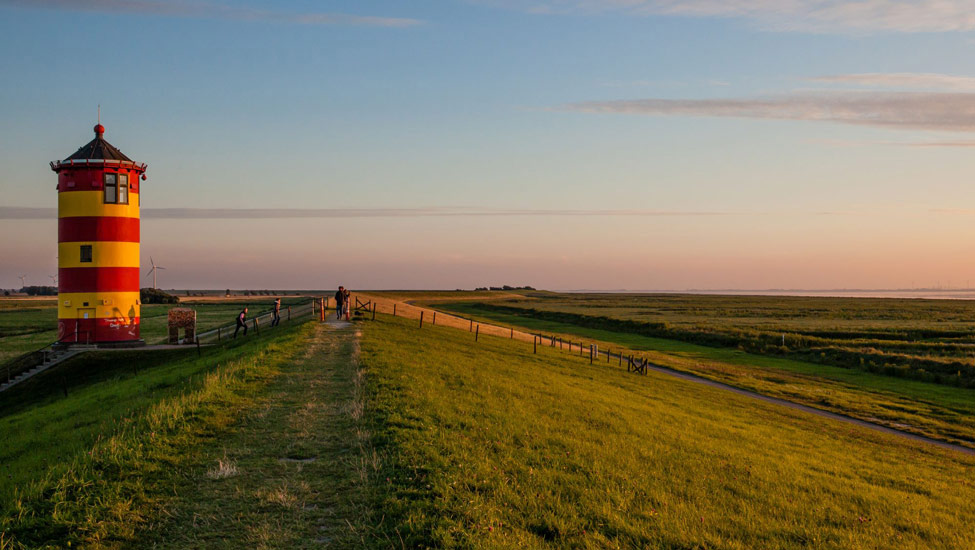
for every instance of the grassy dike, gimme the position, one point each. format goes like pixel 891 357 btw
pixel 933 410
pixel 96 467
pixel 485 445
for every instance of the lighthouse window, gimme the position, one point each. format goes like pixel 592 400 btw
pixel 111 189
pixel 123 189
pixel 86 253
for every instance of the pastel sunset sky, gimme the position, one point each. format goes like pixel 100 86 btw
pixel 565 144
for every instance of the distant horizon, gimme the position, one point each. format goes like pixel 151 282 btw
pixel 904 293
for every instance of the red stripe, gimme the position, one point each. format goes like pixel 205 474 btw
pixel 98 330
pixel 84 179
pixel 98 279
pixel 98 228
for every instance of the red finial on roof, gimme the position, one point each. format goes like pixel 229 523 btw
pixel 99 130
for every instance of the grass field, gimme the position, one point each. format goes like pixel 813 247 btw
pixel 934 410
pixel 930 340
pixel 489 446
pixel 92 468
pixel 438 441
pixel 27 325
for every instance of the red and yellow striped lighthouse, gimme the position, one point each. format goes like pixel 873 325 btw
pixel 98 244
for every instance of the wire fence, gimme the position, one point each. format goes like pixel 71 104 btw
pixel 261 321
pixel 378 304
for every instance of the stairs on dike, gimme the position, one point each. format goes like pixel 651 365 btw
pixel 53 355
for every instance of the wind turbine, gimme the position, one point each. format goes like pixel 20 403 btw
pixel 23 281
pixel 54 279
pixel 153 272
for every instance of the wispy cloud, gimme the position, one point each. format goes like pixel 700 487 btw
pixel 825 16
pixel 28 213
pixel 953 112
pixel 201 10
pixel 915 81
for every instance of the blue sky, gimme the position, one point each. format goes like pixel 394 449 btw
pixel 563 144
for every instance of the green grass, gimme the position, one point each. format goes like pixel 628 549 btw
pixel 489 446
pixel 93 468
pixel 292 473
pixel 28 325
pixel 931 340
pixel 438 441
pixel 935 410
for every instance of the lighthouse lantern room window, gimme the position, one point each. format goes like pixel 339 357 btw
pixel 116 189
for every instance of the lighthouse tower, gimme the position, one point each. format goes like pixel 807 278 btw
pixel 98 244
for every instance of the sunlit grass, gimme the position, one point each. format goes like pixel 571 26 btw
pixel 490 446
pixel 934 410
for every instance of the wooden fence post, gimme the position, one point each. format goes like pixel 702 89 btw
pixel 535 343
pixel 434 317
pixel 512 334
pixel 394 310
pixel 421 319
pixel 257 329
pixel 476 332
pixel 374 311
pixel 289 313
pixel 592 351
pixel 472 326
pixel 621 358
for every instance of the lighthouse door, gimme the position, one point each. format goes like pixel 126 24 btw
pixel 86 325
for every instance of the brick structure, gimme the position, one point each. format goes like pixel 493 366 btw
pixel 182 318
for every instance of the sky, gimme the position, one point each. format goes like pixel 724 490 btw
pixel 563 144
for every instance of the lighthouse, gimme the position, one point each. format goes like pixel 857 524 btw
pixel 98 244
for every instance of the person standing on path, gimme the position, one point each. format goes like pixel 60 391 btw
pixel 340 302
pixel 276 315
pixel 241 322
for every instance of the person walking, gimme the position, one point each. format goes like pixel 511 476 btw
pixel 276 314
pixel 340 302
pixel 241 322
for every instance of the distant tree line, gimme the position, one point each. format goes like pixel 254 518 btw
pixel 156 296
pixel 260 293
pixel 40 290
pixel 505 287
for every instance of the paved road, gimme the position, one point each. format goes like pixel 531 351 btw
pixel 810 410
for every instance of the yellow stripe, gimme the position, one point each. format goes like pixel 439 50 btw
pixel 103 254
pixel 107 305
pixel 92 203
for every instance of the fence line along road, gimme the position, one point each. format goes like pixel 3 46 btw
pixel 440 318
pixel 258 322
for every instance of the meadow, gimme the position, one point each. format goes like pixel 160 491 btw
pixel 487 445
pixel 28 325
pixel 470 445
pixel 91 467
pixel 934 410
pixel 929 340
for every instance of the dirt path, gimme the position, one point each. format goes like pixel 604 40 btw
pixel 290 475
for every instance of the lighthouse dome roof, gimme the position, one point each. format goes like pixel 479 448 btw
pixel 98 149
